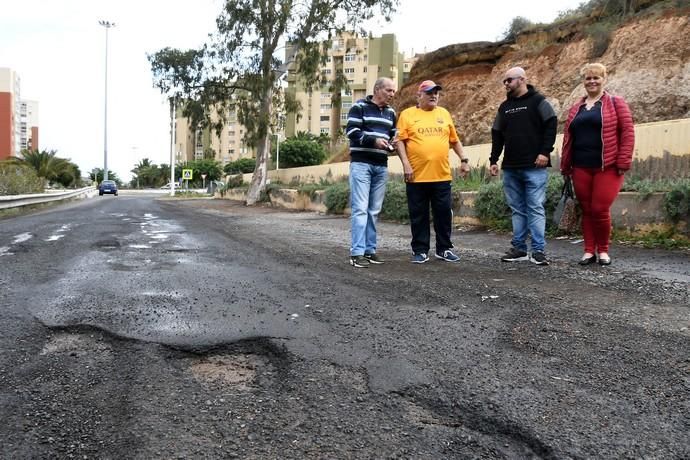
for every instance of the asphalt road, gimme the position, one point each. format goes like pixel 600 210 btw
pixel 140 327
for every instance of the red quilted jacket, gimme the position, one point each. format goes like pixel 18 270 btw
pixel 617 134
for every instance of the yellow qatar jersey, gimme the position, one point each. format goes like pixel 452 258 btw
pixel 427 135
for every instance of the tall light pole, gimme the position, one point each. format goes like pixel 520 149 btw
pixel 172 146
pixel 107 25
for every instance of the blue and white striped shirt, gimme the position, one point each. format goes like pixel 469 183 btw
pixel 367 122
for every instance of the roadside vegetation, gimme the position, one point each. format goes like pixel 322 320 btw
pixel 492 210
pixel 600 19
pixel 33 171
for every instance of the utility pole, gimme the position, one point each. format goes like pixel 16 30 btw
pixel 107 25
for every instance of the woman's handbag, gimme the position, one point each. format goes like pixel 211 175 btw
pixel 565 217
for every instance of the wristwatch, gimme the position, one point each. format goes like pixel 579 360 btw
pixel 464 160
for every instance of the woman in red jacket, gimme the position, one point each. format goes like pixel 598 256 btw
pixel 598 143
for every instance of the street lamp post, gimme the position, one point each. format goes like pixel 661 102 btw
pixel 107 25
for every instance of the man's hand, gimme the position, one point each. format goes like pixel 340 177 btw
pixel 542 161
pixel 382 144
pixel 493 169
pixel 408 172
pixel 464 169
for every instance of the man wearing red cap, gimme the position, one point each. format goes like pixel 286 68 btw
pixel 425 134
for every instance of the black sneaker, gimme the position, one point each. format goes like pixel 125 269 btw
pixel 359 261
pixel 539 258
pixel 515 255
pixel 373 259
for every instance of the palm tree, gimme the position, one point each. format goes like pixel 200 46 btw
pixel 48 166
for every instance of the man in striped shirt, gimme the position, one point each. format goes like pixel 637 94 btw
pixel 371 130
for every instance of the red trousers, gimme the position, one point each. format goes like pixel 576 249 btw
pixel 596 190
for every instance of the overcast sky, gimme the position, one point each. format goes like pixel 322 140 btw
pixel 58 49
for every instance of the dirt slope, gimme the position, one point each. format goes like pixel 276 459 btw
pixel 648 61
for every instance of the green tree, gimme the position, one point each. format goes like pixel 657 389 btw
pixel 239 68
pixel 50 167
pixel 98 177
pixel 209 167
pixel 241 166
pixel 517 25
pixel 150 175
pixel 299 152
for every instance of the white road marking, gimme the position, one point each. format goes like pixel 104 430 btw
pixel 54 237
pixel 22 237
pixel 5 251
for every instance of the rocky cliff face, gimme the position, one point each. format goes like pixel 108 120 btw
pixel 648 61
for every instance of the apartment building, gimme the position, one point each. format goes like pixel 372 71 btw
pixel 10 106
pixel 362 60
pixel 193 144
pixel 18 118
pixel 28 125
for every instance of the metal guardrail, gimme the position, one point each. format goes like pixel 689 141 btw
pixel 15 201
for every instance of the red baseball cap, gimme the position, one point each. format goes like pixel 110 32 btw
pixel 428 86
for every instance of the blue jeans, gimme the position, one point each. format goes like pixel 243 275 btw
pixel 525 191
pixel 367 190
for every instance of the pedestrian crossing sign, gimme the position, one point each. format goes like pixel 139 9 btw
pixel 187 174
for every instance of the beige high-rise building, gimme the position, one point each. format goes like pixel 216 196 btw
pixel 362 60
pixel 193 144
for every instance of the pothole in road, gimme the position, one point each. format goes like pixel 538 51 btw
pixel 74 343
pixel 237 371
pixel 107 244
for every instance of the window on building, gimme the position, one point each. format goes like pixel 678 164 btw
pixel 350 70
pixel 350 58
pixel 325 117
pixel 324 130
pixel 325 106
pixel 364 69
pixel 343 116
pixel 327 71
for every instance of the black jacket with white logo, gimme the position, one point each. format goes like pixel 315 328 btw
pixel 526 127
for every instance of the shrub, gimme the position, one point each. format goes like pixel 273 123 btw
pixel 492 209
pixel 395 202
pixel 477 176
pixel 16 179
pixel 517 25
pixel 241 166
pixel 600 33
pixel 337 197
pixel 234 182
pixel 677 202
pixel 298 152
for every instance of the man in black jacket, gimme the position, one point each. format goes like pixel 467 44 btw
pixel 525 126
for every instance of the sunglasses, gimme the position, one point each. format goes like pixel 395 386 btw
pixel 509 80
